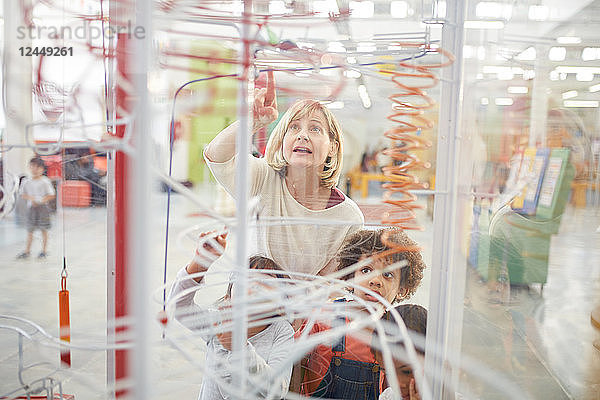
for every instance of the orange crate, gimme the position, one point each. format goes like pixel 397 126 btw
pixel 76 193
pixel 54 165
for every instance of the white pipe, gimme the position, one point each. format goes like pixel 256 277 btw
pixel 139 209
pixel 240 322
pixel 444 321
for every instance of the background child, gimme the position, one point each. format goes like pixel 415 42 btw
pixel 268 343
pixel 348 369
pixel 415 319
pixel 38 191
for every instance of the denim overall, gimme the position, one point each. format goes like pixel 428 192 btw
pixel 349 379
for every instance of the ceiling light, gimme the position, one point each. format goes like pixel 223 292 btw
pixel 484 25
pixel 584 77
pixel 336 47
pixel 505 75
pixel 399 9
pixel 362 9
pixel 492 9
pixel 352 74
pixel 569 95
pixel 581 103
pixel 366 47
pixel 557 53
pixel 485 101
pixel 364 96
pixel 595 88
pixel 518 89
pixel 553 75
pixel 575 70
pixel 590 53
pixel 278 7
pixel 538 13
pixel 479 76
pixel 323 7
pixel 351 60
pixel 468 51
pixel 528 54
pixel 528 74
pixel 335 105
pixel 568 40
pixel 503 101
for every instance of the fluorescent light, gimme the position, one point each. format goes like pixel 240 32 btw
pixel 538 13
pixel 528 54
pixel 581 103
pixel 575 70
pixel 484 25
pixel 528 74
pixel 498 69
pixel 584 77
pixel 324 7
pixel 351 60
pixel 595 88
pixel 336 105
pixel 557 53
pixel 554 75
pixel 362 9
pixel 485 101
pixel 569 95
pixel 366 47
pixel 518 89
pixel 399 9
pixel 492 9
pixel 364 96
pixel 568 40
pixel 503 101
pixel 590 53
pixel 336 47
pixel 278 7
pixel 352 74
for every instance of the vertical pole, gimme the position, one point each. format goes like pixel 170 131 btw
pixel 139 204
pixel 240 322
pixel 121 220
pixel 444 323
pixel 539 99
pixel 16 80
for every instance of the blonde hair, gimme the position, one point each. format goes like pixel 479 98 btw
pixel 301 108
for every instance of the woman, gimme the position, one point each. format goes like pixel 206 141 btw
pixel 295 180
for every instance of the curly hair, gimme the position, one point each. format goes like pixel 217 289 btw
pixel 394 246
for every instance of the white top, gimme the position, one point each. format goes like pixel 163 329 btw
pixel 387 394
pixel 285 235
pixel 38 188
pixel 267 352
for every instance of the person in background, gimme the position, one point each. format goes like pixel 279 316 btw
pixel 38 192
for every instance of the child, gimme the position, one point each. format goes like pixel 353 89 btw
pixel 268 343
pixel 38 191
pixel 348 369
pixel 415 319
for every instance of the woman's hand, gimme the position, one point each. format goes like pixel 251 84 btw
pixel 265 104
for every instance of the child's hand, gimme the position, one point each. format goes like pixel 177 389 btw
pixel 265 104
pixel 206 251
pixel 414 395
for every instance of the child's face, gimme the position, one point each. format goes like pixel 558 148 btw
pixel 36 170
pixel 379 278
pixel 404 373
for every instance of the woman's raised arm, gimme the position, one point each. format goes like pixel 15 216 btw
pixel 222 147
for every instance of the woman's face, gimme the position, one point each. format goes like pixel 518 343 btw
pixel 306 143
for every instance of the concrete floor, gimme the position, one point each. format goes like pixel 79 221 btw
pixel 541 342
